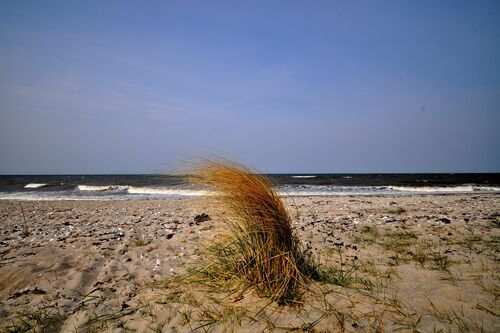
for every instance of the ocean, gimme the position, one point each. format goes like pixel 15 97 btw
pixel 156 186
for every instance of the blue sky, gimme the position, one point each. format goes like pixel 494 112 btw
pixel 333 86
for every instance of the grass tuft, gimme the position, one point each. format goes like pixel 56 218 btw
pixel 397 211
pixel 41 320
pixel 258 242
pixel 141 241
pixel 398 240
pixel 368 235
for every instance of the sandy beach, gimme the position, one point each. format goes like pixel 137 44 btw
pixel 427 263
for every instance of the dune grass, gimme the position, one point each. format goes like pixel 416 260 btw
pixel 258 243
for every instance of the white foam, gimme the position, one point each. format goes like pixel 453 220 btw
pixel 47 197
pixel 305 176
pixel 167 191
pixel 328 190
pixel 321 193
pixel 34 185
pixel 93 188
pixel 445 189
pixel 102 188
pixel 489 188
pixel 305 193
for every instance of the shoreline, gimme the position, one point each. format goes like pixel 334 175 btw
pixel 434 257
pixel 283 196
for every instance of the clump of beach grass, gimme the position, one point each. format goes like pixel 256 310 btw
pixel 141 240
pixel 397 211
pixel 258 245
pixel 38 320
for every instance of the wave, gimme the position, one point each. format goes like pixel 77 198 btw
pixel 102 188
pixel 129 192
pixel 329 190
pixel 48 196
pixel 445 189
pixel 489 188
pixel 35 185
pixel 305 176
pixel 167 191
pixel 306 193
pixel 143 190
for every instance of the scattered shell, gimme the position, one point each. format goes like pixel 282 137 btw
pixel 158 264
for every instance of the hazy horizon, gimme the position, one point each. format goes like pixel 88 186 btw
pixel 264 173
pixel 121 87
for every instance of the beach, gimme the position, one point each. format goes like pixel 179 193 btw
pixel 427 263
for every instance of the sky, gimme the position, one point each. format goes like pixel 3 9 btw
pixel 94 87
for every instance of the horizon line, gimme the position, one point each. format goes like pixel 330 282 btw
pixel 262 173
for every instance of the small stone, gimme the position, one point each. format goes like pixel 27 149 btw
pixel 445 220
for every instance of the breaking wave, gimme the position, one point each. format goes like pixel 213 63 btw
pixel 329 190
pixel 304 176
pixel 50 196
pixel 144 190
pixel 167 191
pixel 63 191
pixel 445 189
pixel 34 185
pixel 102 188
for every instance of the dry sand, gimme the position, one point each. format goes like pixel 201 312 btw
pixel 406 263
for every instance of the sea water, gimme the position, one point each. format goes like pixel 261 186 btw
pixel 157 186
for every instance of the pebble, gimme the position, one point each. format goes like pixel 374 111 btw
pixel 444 220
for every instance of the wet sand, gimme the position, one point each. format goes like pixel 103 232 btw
pixel 403 263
